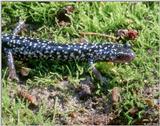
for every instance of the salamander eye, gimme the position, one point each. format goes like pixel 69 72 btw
pixel 127 45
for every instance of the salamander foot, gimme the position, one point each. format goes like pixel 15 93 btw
pixel 11 66
pixel 13 76
pixel 97 74
pixel 20 26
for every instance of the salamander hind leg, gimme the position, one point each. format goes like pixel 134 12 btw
pixel 10 61
pixel 20 26
pixel 11 66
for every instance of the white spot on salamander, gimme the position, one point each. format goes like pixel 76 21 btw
pixel 72 55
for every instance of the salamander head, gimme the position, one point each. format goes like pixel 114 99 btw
pixel 121 53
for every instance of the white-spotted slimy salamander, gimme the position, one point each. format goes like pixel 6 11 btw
pixel 29 48
pixel 25 47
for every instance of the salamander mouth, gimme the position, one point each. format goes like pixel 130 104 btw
pixel 123 58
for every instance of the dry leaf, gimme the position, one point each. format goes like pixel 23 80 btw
pixel 25 71
pixel 26 95
pixel 127 33
pixel 149 102
pixel 115 94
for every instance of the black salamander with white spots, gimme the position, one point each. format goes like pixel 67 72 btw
pixel 23 48
pixel 30 48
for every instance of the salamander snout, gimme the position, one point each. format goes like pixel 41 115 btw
pixel 124 57
pixel 123 54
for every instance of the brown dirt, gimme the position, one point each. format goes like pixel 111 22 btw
pixel 77 105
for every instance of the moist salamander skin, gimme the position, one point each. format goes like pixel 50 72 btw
pixel 30 48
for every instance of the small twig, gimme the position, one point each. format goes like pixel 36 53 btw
pixel 98 34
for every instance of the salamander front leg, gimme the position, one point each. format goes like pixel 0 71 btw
pixel 96 72
pixel 11 66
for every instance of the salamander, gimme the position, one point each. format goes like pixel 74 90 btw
pixel 30 48
pixel 22 48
